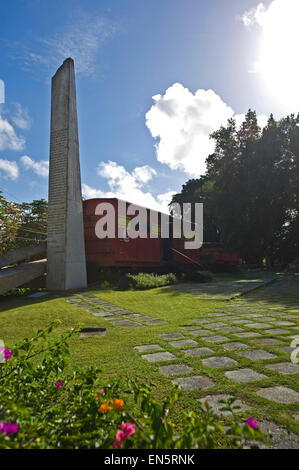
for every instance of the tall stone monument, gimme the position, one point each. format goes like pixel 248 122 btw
pixel 66 268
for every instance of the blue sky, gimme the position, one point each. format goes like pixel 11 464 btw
pixel 126 52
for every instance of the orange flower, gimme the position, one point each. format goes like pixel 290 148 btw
pixel 104 408
pixel 118 404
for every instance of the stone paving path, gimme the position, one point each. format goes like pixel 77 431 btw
pixel 107 311
pixel 222 290
pixel 262 339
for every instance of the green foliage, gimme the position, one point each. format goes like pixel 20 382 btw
pixel 250 190
pixel 85 413
pixel 152 280
pixel 22 224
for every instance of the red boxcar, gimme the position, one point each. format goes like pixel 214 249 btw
pixel 145 252
pixel 128 252
pixel 213 254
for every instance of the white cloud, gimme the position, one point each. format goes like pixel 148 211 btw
pixel 254 16
pixel 128 186
pixel 80 38
pixel 183 122
pixel 9 168
pixel 91 193
pixel 118 177
pixel 8 137
pixel 2 92
pixel 143 173
pixel 40 168
pixel 21 118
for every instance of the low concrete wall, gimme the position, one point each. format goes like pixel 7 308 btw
pixel 21 254
pixel 10 278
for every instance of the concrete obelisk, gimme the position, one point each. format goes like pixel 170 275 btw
pixel 66 267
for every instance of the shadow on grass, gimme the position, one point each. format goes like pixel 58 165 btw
pixel 282 291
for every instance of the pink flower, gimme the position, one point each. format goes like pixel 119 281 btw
pixel 9 428
pixel 7 353
pixel 116 444
pixel 253 424
pixel 121 435
pixel 59 384
pixel 102 392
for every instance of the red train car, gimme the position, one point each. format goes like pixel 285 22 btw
pixel 147 252
pixel 132 253
pixel 117 252
pixel 213 255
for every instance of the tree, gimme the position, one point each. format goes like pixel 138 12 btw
pixel 250 190
pixel 22 224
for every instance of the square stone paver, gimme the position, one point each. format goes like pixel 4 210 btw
pixel 268 319
pixel 257 354
pixel 213 401
pixel 239 322
pixel 247 334
pixel 284 368
pixel 284 323
pixel 198 352
pixel 254 315
pixel 267 341
pixel 277 331
pixel 201 320
pixel 159 357
pixel 244 375
pixel 93 310
pixel 182 343
pixel 154 322
pixel 148 347
pixel 257 325
pixel 113 309
pixel 215 339
pixel 231 318
pixel 190 328
pixel 175 369
pixel 195 382
pixel 200 332
pixel 219 361
pixel 231 329
pixel 215 325
pixel 235 345
pixel 287 349
pixel 102 315
pixel 128 324
pixel 279 394
pixel 167 336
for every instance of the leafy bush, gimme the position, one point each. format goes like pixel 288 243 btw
pixel 44 406
pixel 152 280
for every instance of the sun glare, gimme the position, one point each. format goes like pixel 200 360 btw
pixel 279 61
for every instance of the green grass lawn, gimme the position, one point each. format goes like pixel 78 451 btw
pixel 115 353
